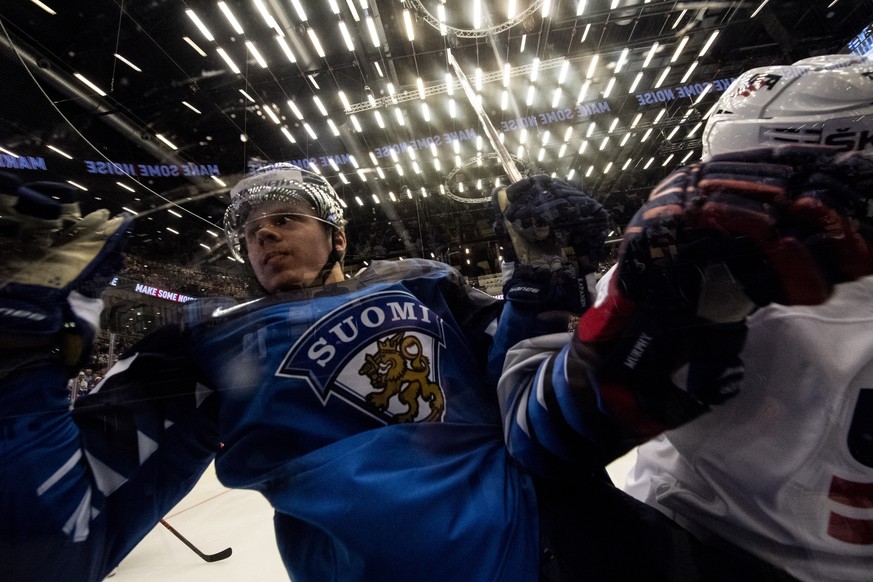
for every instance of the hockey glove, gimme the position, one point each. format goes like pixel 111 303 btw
pixel 554 235
pixel 57 267
pixel 713 240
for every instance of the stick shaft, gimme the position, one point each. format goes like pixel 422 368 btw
pixel 490 131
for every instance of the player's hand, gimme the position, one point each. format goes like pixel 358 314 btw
pixel 714 240
pixel 554 234
pixel 57 264
pixel 784 223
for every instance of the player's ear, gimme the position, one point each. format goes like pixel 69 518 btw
pixel 339 241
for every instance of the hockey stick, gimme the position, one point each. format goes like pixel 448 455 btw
pixel 223 554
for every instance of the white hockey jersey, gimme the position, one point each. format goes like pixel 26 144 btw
pixel 785 469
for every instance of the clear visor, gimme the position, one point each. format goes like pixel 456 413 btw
pixel 247 232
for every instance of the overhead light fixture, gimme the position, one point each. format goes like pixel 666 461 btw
pixel 679 19
pixel 441 16
pixel 708 43
pixel 297 113
pixel 353 10
pixel 565 68
pixel 174 213
pixel 199 24
pixel 319 105
pixel 399 116
pixel 622 60
pixel 591 67
pixel 346 36
pixel 758 9
pixel 234 23
pixel 687 74
pixel 667 161
pixel 379 119
pixel 44 6
pixel 646 135
pixel 607 168
pixel 344 100
pixel 477 13
pixel 580 7
pixel 379 69
pixel 583 91
pixel 94 87
pixel 650 55
pixel 191 107
pixel 660 81
pixel 288 135
pixel 659 116
pixel 609 87
pixel 286 49
pixel 556 97
pixel 407 19
pixel 252 49
pixel 193 45
pixel 425 112
pixel 315 43
pixel 333 128
pixel 268 109
pixel 679 49
pixel 374 35
pixel 128 63
pixel 523 43
pixel 534 69
pixel 268 18
pixel 585 32
pixel 228 60
pixel 60 151
pixel 420 85
pixel 635 83
pixel 312 80
pixel 309 130
pixel 301 14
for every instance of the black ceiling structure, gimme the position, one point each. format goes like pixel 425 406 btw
pixel 159 106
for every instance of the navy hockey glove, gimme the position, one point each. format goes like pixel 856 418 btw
pixel 554 235
pixel 55 268
pixel 713 240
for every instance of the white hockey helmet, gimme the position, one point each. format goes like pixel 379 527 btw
pixel 280 182
pixel 825 100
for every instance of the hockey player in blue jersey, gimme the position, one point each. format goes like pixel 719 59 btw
pixel 365 409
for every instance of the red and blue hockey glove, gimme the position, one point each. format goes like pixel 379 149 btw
pixel 554 235
pixel 55 266
pixel 714 239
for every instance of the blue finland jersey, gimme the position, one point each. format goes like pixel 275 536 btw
pixel 363 415
pixel 364 411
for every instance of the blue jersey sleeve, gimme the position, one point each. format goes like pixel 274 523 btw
pixel 82 487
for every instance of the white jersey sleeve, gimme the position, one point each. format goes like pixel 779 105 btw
pixel 785 469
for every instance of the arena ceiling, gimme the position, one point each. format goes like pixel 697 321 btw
pixel 158 106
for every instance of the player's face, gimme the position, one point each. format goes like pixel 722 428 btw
pixel 287 247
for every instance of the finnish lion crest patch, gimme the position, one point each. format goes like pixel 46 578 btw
pixel 379 353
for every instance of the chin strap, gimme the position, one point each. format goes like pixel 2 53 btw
pixel 333 258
